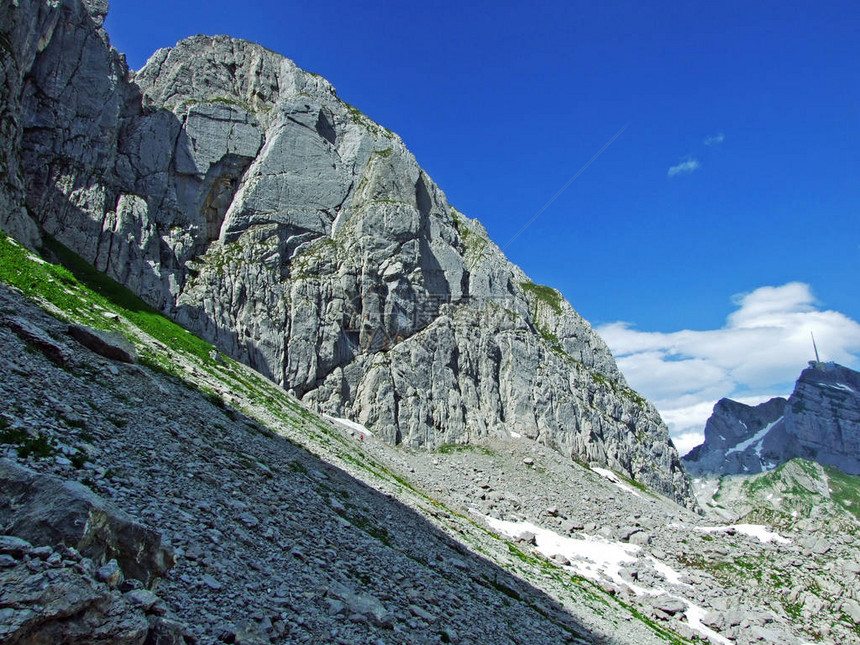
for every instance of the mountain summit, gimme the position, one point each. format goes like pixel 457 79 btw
pixel 241 196
pixel 820 422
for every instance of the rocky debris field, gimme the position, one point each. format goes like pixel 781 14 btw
pixel 717 576
pixel 270 543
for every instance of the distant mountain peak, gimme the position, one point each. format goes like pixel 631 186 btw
pixel 820 421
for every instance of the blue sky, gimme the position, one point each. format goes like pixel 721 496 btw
pixel 737 171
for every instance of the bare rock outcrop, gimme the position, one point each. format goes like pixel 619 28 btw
pixel 73 567
pixel 46 510
pixel 60 603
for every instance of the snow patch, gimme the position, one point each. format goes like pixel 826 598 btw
pixel 669 574
pixel 590 557
pixel 615 479
pixel 515 435
pixel 594 557
pixel 756 438
pixel 349 425
pixel 694 615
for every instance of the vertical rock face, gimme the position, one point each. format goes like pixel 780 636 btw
pixel 21 27
pixel 820 421
pixel 822 417
pixel 241 196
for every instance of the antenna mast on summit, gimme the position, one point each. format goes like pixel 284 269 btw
pixel 817 360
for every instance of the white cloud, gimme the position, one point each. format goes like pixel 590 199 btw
pixel 687 440
pixel 684 168
pixel 715 139
pixel 757 354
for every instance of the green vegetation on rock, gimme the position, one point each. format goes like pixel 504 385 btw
pixel 359 118
pixel 26 444
pixel 622 390
pixel 544 295
pixel 449 448
pixel 475 244
pixel 844 490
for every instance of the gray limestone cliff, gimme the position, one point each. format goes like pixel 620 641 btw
pixel 820 422
pixel 239 195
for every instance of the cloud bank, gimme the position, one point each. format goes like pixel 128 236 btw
pixel 684 168
pixel 756 355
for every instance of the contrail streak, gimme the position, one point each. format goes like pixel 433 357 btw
pixel 563 188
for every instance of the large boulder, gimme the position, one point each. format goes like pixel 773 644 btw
pixel 44 509
pixel 62 604
pixel 109 344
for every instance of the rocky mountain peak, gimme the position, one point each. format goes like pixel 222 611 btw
pixel 239 195
pixel 221 68
pixel 156 489
pixel 820 421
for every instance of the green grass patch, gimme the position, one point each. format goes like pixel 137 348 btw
pixel 81 292
pixel 800 498
pixel 316 260
pixel 359 118
pixel 550 338
pixel 26 444
pixel 735 571
pixel 474 243
pixel 222 100
pixel 845 490
pixel 543 294
pixel 455 216
pixel 620 390
pixel 451 448
pixel 371 528
pixel 600 379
